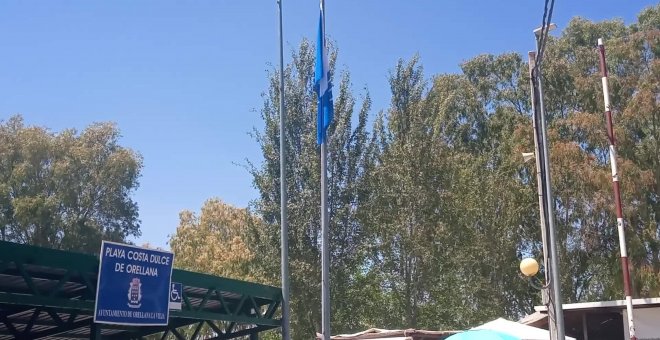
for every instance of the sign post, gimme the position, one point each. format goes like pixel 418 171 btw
pixel 133 285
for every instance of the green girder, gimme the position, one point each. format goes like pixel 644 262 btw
pixel 54 291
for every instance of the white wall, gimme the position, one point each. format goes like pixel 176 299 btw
pixel 647 323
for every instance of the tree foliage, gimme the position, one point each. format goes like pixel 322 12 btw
pixel 580 155
pixel 432 206
pixel 66 190
pixel 215 241
pixel 347 167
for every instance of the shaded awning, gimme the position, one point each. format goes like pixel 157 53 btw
pixel 49 294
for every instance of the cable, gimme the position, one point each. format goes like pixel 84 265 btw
pixel 543 24
pixel 540 39
pixel 547 29
pixel 543 36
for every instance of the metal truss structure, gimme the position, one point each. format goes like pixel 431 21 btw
pixel 49 294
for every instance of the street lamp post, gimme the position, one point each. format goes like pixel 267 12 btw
pixel 544 162
pixel 540 192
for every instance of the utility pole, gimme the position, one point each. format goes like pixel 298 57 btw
pixel 547 288
pixel 555 297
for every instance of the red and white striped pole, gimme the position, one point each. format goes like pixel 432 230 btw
pixel 617 192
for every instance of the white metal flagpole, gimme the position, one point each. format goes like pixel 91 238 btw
pixel 325 252
pixel 284 223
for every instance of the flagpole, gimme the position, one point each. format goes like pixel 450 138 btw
pixel 325 258
pixel 284 223
pixel 325 277
pixel 322 82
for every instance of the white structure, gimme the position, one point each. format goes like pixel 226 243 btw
pixel 393 334
pixel 519 330
pixel 605 319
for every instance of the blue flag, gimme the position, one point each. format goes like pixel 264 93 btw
pixel 322 84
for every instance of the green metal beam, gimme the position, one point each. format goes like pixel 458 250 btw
pixel 272 308
pixel 214 327
pixel 205 299
pixel 27 278
pixel 197 330
pixel 77 279
pixel 243 332
pixel 230 327
pixel 95 331
pixel 37 320
pixel 65 327
pixel 78 336
pixel 177 334
pixel 217 316
pixel 10 327
pixel 60 283
pixel 138 332
pixel 257 308
pixel 45 288
pixel 223 302
pixel 55 317
pixel 33 319
pixel 239 308
pixel 26 254
pixel 224 284
pixel 44 301
pixel 87 307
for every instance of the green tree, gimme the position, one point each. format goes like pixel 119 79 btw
pixel 215 242
pixel 400 216
pixel 447 194
pixel 66 190
pixel 580 156
pixel 432 210
pixel 347 159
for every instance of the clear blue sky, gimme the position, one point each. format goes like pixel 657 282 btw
pixel 183 79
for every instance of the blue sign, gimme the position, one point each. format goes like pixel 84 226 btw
pixel 176 295
pixel 133 285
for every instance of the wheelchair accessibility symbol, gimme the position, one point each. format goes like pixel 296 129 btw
pixel 176 295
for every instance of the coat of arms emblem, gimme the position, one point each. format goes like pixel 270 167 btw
pixel 134 293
